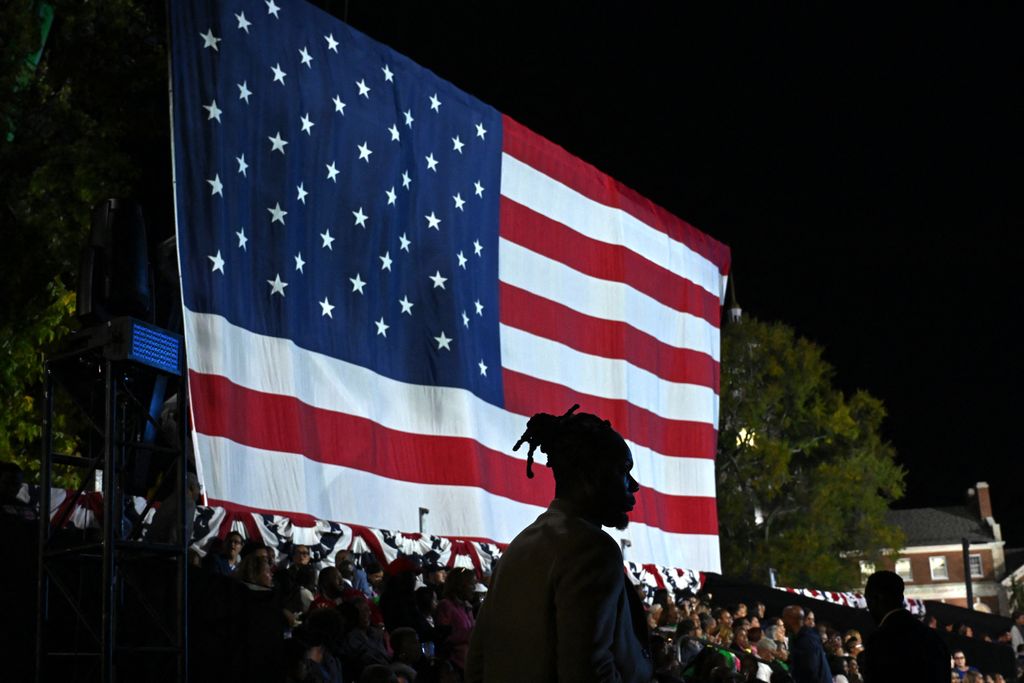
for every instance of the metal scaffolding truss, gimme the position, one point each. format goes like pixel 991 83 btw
pixel 112 603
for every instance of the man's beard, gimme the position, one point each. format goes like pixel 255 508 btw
pixel 618 520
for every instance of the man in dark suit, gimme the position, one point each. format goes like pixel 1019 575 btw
pixel 807 660
pixel 559 607
pixel 902 649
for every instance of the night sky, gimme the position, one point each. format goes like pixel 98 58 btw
pixel 864 169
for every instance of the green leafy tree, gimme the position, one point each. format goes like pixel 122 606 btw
pixel 89 122
pixel 804 477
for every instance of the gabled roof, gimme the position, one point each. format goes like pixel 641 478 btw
pixel 940 526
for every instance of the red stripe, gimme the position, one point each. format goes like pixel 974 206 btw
pixel 554 162
pixel 547 237
pixel 524 394
pixel 606 338
pixel 283 423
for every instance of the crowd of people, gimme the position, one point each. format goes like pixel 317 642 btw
pixel 354 620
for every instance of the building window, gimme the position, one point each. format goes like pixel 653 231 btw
pixel 938 567
pixel 866 569
pixel 977 571
pixel 903 569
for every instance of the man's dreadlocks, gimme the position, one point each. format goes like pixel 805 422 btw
pixel 564 438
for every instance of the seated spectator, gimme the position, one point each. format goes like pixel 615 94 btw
pixel 330 628
pixel 960 667
pixel 740 644
pixel 754 636
pixel 689 642
pixel 347 569
pixel 853 669
pixel 853 647
pixel 768 651
pixel 359 579
pixel 456 612
pixel 321 665
pixel 833 642
pixel 723 617
pixel 723 637
pixel 301 556
pixel 375 577
pixel 329 588
pixel 407 659
pixel 233 543
pixel 254 571
pixel 838 666
pixel 708 625
pixel 775 630
pixel 364 643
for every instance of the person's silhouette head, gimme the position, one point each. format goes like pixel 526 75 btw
pixel 590 461
pixel 793 618
pixel 884 593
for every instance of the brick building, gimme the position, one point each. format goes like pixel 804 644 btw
pixel 932 564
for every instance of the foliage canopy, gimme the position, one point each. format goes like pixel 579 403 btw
pixel 89 122
pixel 804 477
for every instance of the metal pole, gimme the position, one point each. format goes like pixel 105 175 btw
pixel 186 537
pixel 111 522
pixel 967 573
pixel 45 479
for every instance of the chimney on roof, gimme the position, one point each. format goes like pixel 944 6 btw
pixel 984 500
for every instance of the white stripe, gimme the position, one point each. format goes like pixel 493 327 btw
pixel 545 195
pixel 605 299
pixel 610 378
pixel 289 482
pixel 331 384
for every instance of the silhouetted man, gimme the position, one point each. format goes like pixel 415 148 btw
pixel 807 660
pixel 902 649
pixel 559 607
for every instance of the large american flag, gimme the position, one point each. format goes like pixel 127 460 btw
pixel 383 278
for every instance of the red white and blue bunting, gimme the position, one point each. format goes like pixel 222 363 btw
pixel 851 599
pixel 326 538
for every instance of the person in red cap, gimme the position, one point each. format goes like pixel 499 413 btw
pixel 559 607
